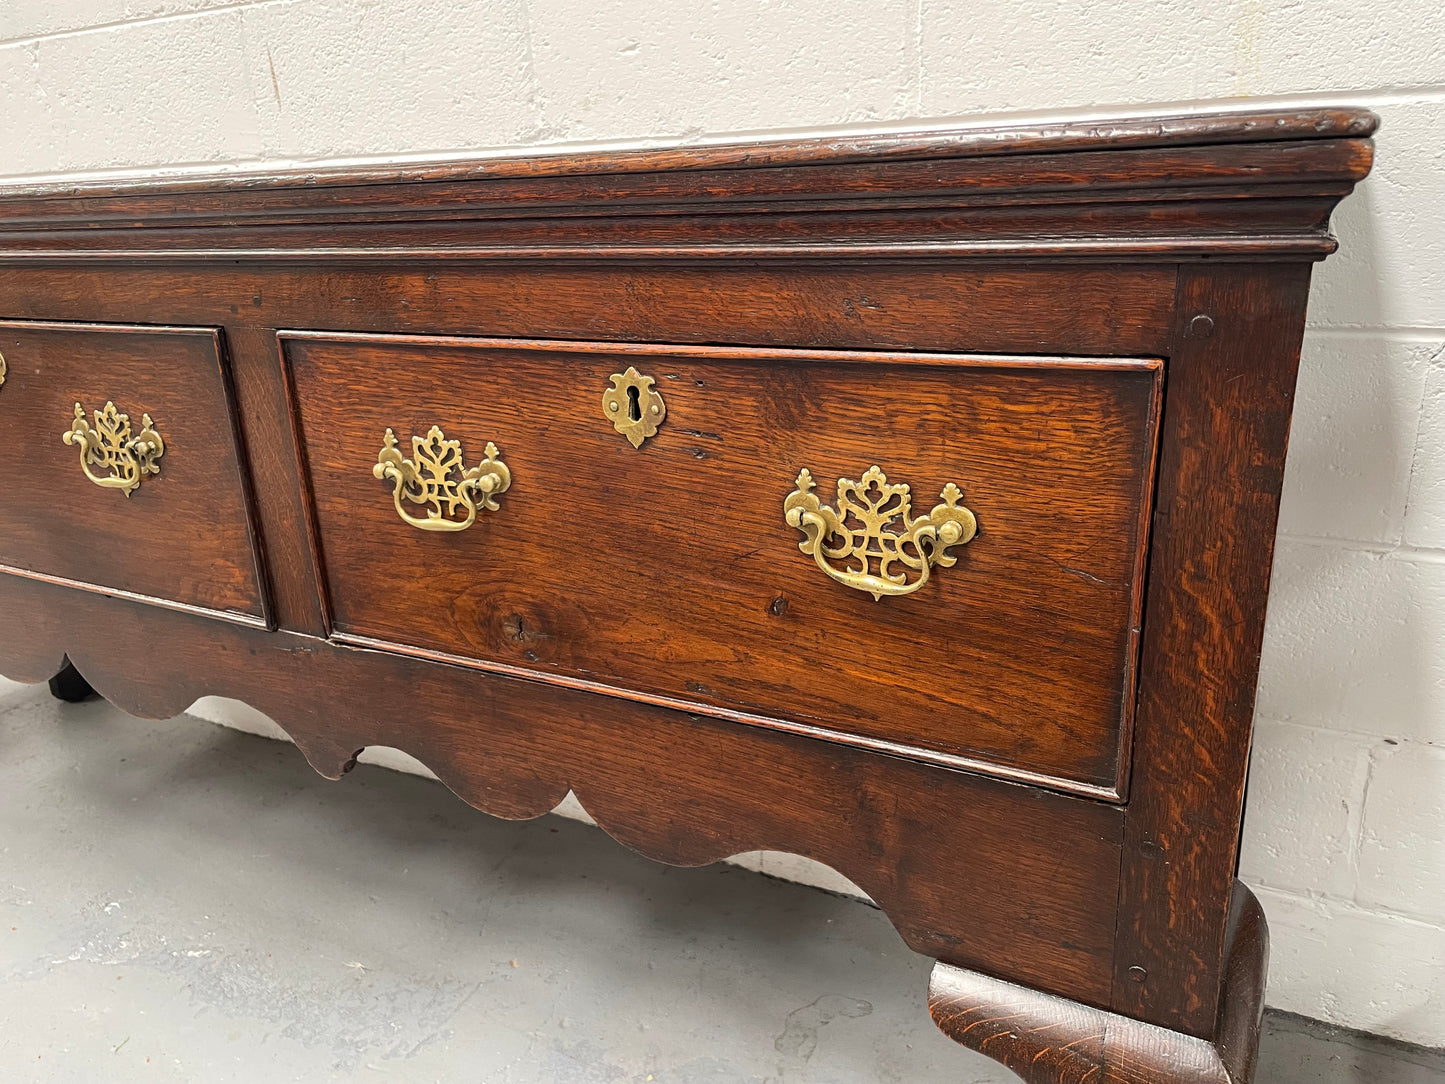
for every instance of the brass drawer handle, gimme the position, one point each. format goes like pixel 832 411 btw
pixel 435 477
pixel 109 445
pixel 858 530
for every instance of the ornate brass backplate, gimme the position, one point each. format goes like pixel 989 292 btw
pixel 435 477
pixel 860 530
pixel 109 445
pixel 632 406
pixel 2 369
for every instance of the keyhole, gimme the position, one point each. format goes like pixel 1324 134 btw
pixel 634 406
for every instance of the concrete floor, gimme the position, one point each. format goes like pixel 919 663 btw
pixel 180 902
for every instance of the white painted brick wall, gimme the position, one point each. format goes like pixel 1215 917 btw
pixel 1345 831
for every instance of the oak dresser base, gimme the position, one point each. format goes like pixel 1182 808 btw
pixel 905 501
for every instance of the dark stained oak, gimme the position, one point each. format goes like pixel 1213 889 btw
pixel 1035 765
pixel 279 509
pixel 1231 388
pixel 1162 188
pixel 669 569
pixel 997 308
pixel 1047 1040
pixel 684 789
pixel 1220 129
pixel 183 536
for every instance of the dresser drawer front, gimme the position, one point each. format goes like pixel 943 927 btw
pixel 140 491
pixel 670 573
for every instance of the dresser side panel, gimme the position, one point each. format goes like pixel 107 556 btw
pixel 1230 390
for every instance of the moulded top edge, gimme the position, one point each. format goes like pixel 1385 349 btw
pixel 1182 130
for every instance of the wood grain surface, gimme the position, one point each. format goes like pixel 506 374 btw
pixel 996 307
pixel 745 700
pixel 670 570
pixel 1226 426
pixel 1160 188
pixel 184 535
pixel 1046 1040
pixel 277 501
pixel 1037 871
pixel 1222 129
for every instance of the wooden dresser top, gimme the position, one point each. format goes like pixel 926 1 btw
pixel 1228 184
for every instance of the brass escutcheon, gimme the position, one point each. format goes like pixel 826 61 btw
pixel 860 530
pixel 435 477
pixel 109 445
pixel 632 406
